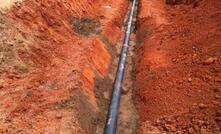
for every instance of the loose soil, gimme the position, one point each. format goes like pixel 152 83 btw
pixel 58 61
pixel 178 67
pixel 56 93
pixel 8 3
pixel 12 43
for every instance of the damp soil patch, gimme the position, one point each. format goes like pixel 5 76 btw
pixel 85 26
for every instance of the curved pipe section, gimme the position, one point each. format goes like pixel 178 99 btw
pixel 111 124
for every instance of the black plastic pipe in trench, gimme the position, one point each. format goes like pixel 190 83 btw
pixel 111 124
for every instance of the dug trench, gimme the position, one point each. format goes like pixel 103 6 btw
pixel 58 62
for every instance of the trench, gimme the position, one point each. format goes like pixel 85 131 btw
pixel 59 76
pixel 127 116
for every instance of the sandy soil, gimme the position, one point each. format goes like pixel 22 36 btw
pixel 8 3
pixel 178 67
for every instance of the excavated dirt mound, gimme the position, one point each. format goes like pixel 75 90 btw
pixel 178 68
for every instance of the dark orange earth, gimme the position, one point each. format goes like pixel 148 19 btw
pixel 57 59
pixel 56 93
pixel 178 67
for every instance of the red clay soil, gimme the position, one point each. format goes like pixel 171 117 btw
pixel 178 68
pixel 56 92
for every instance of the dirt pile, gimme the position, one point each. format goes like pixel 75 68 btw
pixel 178 68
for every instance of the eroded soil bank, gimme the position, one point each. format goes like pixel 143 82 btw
pixel 178 67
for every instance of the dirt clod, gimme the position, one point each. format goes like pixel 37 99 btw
pixel 210 60
pixel 217 90
pixel 124 90
pixel 217 96
pixel 189 79
pixel 106 95
pixel 202 106
pixel 59 116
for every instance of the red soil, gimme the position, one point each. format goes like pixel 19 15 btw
pixel 57 94
pixel 177 75
pixel 178 69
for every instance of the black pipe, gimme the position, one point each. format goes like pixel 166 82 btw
pixel 111 124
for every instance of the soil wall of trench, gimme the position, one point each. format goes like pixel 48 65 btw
pixel 56 64
pixel 177 75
